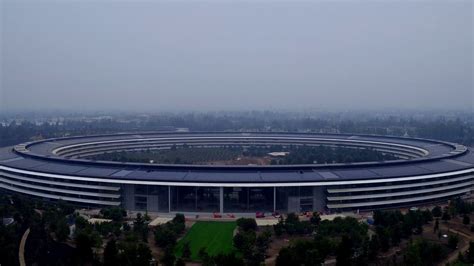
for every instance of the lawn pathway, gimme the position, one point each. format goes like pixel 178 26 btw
pixel 21 250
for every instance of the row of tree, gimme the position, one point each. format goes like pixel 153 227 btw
pixel 455 127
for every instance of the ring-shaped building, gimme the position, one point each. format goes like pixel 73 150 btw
pixel 425 171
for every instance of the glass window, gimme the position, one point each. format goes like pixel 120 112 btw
pixel 236 199
pixel 208 199
pixel 140 203
pixel 183 199
pixel 248 199
pixel 141 189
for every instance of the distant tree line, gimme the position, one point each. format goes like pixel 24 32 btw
pixel 455 127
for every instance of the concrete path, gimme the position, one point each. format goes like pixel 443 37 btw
pixel 454 255
pixel 21 250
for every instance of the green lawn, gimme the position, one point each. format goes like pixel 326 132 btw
pixel 216 237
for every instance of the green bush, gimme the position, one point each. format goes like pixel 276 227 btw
pixel 247 224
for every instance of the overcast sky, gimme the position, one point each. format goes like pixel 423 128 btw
pixel 236 55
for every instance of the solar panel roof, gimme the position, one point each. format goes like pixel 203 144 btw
pixel 253 175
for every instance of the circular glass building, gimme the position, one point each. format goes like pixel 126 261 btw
pixel 420 171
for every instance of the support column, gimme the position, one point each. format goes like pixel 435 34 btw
pixel 169 198
pixel 274 199
pixel 195 198
pixel 221 199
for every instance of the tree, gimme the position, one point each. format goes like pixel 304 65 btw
pixel 466 219
pixel 344 251
pixel 84 244
pixel 111 254
pixel 114 213
pixel 437 212
pixel 244 241
pixel 168 257
pixel 263 241
pixel 133 253
pixel 203 255
pixel 470 252
pixel 186 250
pixel 383 238
pixel 278 228
pixel 81 222
pixel 436 225
pixel 446 216
pixel 180 262
pixel 143 255
pixel 178 223
pixel 396 234
pixel 247 224
pixel 164 236
pixel 140 227
pixel 421 252
pixel 228 260
pixel 453 241
pixel 62 230
pixel 315 219
pixel 286 256
pixel 313 258
pixel 374 247
pixel 65 208
pixel 179 218
pixel 427 216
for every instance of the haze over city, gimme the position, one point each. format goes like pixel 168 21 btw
pixel 236 132
pixel 236 55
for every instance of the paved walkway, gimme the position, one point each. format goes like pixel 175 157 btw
pixel 454 255
pixel 21 250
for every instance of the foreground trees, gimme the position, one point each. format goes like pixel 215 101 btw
pixel 166 236
pixel 343 237
pixel 251 243
pixel 422 252
pixel 349 241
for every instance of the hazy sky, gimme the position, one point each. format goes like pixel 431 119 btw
pixel 195 55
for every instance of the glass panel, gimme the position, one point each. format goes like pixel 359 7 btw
pixel 208 199
pixel 140 203
pixel 261 199
pixel 248 199
pixel 306 191
pixel 183 198
pixel 162 192
pixel 283 197
pixel 140 189
pixel 236 199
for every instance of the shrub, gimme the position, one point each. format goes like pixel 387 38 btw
pixel 247 224
pixel 453 241
pixel 466 219
pixel 186 250
pixel 437 212
pixel 114 213
pixel 244 241
pixel 164 236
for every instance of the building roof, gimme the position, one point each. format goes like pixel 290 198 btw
pixel 43 157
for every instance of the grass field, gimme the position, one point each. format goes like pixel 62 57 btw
pixel 216 237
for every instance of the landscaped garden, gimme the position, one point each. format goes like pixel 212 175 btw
pixel 214 237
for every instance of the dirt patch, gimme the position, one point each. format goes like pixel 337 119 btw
pixel 245 160
pixel 156 252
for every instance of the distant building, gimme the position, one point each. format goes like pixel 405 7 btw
pixel 278 153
